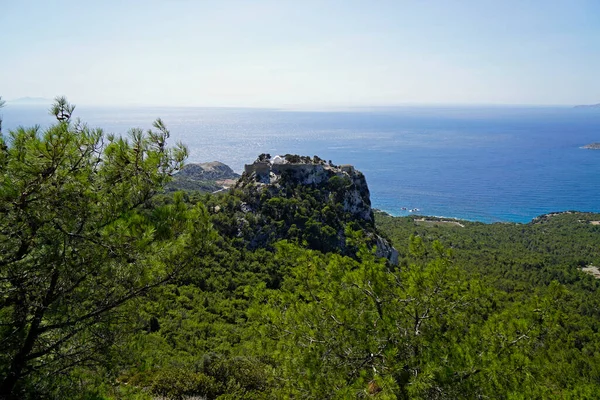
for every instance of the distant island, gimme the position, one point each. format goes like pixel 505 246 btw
pixel 30 101
pixel 588 106
pixel 592 146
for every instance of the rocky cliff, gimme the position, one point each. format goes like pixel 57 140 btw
pixel 204 177
pixel 317 198
pixel 213 171
pixel 345 183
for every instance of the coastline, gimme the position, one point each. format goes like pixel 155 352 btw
pixel 437 219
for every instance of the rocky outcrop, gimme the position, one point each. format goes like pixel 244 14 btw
pixel 203 177
pixel 385 250
pixel 342 190
pixel 348 185
pixel 210 171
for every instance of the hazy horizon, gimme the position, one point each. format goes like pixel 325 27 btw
pixel 38 101
pixel 280 54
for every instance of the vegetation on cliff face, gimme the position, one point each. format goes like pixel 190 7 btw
pixel 306 201
pixel 112 290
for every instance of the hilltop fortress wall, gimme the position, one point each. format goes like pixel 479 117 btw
pixel 264 169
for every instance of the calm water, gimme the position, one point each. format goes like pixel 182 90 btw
pixel 484 164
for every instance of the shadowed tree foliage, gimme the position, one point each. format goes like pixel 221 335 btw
pixel 339 329
pixel 76 242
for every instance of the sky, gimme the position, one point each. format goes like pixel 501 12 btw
pixel 279 53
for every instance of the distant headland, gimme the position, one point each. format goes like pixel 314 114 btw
pixel 592 146
pixel 30 101
pixel 597 106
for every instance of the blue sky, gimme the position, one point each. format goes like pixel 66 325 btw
pixel 302 53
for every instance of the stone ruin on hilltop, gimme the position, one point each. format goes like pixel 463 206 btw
pixel 315 170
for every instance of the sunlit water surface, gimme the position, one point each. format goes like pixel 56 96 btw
pixel 476 163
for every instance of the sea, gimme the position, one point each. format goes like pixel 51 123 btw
pixel 479 163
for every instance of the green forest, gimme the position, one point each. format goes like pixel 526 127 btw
pixel 112 287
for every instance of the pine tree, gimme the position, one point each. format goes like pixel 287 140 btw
pixel 76 243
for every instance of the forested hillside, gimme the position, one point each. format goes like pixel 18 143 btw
pixel 113 288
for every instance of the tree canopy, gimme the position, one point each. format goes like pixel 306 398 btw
pixel 76 242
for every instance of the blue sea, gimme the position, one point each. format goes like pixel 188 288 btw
pixel 489 164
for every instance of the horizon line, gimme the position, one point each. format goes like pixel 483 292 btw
pixel 41 101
